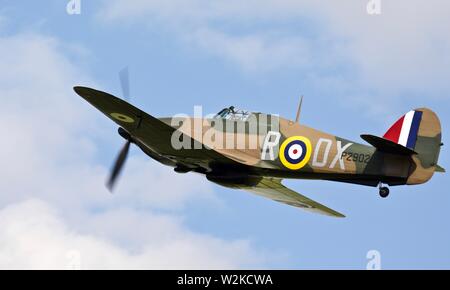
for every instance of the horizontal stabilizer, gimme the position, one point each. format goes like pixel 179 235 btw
pixel 386 145
pixel 439 169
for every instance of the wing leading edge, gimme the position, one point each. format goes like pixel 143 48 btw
pixel 149 130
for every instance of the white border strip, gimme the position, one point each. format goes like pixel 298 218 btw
pixel 406 128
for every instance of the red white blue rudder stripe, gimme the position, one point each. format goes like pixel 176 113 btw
pixel 404 131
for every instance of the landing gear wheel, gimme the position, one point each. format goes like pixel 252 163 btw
pixel 384 192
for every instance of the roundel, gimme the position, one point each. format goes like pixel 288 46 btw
pixel 295 152
pixel 122 117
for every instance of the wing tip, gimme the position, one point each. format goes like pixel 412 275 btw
pixel 78 89
pixel 82 91
pixel 90 93
pixel 336 214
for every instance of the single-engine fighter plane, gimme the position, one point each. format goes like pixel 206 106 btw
pixel 406 154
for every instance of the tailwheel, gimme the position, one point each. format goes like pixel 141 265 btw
pixel 384 191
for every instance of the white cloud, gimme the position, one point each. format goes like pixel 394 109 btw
pixel 381 58
pixel 52 195
pixel 51 134
pixel 406 47
pixel 255 53
pixel 34 236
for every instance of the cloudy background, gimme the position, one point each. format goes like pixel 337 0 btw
pixel 358 73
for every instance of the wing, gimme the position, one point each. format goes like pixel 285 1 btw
pixel 273 189
pixel 148 130
pixel 127 116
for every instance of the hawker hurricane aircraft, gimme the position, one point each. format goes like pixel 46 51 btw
pixel 264 149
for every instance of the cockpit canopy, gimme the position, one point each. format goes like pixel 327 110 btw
pixel 234 114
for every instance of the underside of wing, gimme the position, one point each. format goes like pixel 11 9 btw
pixel 273 189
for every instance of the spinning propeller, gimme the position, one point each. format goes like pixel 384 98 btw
pixel 124 77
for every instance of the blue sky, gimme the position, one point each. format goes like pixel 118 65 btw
pixel 358 73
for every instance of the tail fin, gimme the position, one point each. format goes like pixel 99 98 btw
pixel 405 130
pixel 419 130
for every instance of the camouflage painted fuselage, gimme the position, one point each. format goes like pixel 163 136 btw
pixel 358 163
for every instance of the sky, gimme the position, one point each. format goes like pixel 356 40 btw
pixel 358 72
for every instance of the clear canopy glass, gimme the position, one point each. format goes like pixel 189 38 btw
pixel 233 113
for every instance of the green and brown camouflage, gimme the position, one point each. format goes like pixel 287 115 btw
pixel 256 152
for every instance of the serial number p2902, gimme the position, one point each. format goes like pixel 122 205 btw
pixel 356 157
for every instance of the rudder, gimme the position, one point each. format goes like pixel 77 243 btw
pixel 420 130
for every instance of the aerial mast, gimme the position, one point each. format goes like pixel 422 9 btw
pixel 297 118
